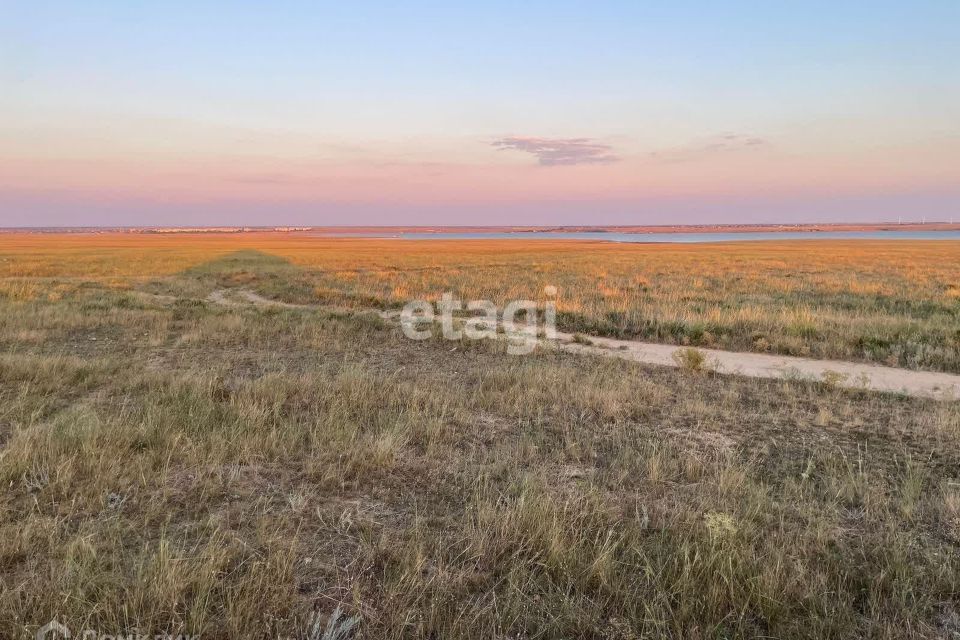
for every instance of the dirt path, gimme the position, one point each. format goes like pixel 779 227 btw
pixel 854 375
pixel 222 297
pixel 922 384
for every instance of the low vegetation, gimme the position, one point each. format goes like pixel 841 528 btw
pixel 172 465
pixel 890 302
pixel 691 359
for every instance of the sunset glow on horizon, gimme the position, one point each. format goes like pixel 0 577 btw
pixel 550 113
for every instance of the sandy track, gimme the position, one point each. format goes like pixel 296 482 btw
pixel 853 375
pixel 222 297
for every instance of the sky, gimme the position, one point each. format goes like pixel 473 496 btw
pixel 468 113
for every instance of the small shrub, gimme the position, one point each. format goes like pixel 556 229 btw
pixel 690 359
pixel 833 379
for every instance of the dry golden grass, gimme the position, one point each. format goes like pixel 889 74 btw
pixel 170 465
pixel 892 302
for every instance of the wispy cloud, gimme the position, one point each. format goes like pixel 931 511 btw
pixel 723 143
pixel 552 152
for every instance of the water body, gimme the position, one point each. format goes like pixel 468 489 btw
pixel 682 238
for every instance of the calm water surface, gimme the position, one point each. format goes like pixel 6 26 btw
pixel 668 237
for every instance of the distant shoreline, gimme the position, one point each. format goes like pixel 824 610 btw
pixel 526 229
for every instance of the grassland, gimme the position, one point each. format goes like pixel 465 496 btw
pixel 168 464
pixel 891 302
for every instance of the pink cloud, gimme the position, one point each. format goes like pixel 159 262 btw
pixel 560 151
